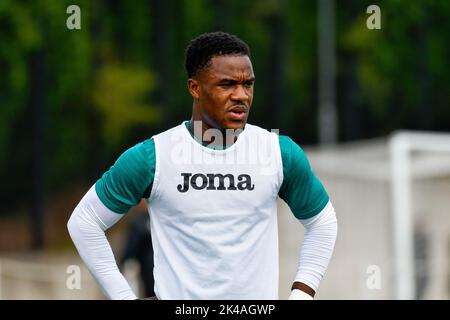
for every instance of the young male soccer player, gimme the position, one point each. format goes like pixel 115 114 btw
pixel 211 184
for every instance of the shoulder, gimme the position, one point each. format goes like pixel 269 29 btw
pixel 140 152
pixel 291 152
pixel 288 143
pixel 129 178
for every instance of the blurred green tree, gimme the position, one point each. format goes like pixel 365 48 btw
pixel 82 97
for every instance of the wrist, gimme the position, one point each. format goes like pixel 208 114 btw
pixel 297 294
pixel 303 287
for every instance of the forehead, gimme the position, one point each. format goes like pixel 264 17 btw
pixel 229 66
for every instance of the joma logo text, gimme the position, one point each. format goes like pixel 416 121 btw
pixel 200 181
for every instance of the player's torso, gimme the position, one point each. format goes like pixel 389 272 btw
pixel 195 184
pixel 215 211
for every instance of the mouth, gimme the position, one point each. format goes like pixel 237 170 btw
pixel 238 112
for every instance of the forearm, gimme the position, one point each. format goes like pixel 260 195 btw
pixel 87 227
pixel 316 250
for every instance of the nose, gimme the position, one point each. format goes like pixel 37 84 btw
pixel 240 93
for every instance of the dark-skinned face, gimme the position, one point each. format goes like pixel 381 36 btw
pixel 223 92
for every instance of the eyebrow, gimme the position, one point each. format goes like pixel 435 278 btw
pixel 230 80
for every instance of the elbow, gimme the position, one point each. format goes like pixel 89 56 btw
pixel 71 225
pixel 76 225
pixel 334 231
pixel 332 226
pixel 336 223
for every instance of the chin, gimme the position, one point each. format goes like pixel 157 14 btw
pixel 235 125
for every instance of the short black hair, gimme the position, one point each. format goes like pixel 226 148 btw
pixel 207 45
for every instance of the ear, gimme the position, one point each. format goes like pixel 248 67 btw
pixel 194 88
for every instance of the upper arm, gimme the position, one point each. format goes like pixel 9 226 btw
pixel 301 189
pixel 129 179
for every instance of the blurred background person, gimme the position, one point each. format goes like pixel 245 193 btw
pixel 138 247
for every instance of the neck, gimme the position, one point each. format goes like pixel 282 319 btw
pixel 215 137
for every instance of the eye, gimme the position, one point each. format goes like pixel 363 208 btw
pixel 226 85
pixel 248 84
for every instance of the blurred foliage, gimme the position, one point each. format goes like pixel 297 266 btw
pixel 121 78
pixel 401 70
pixel 119 94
